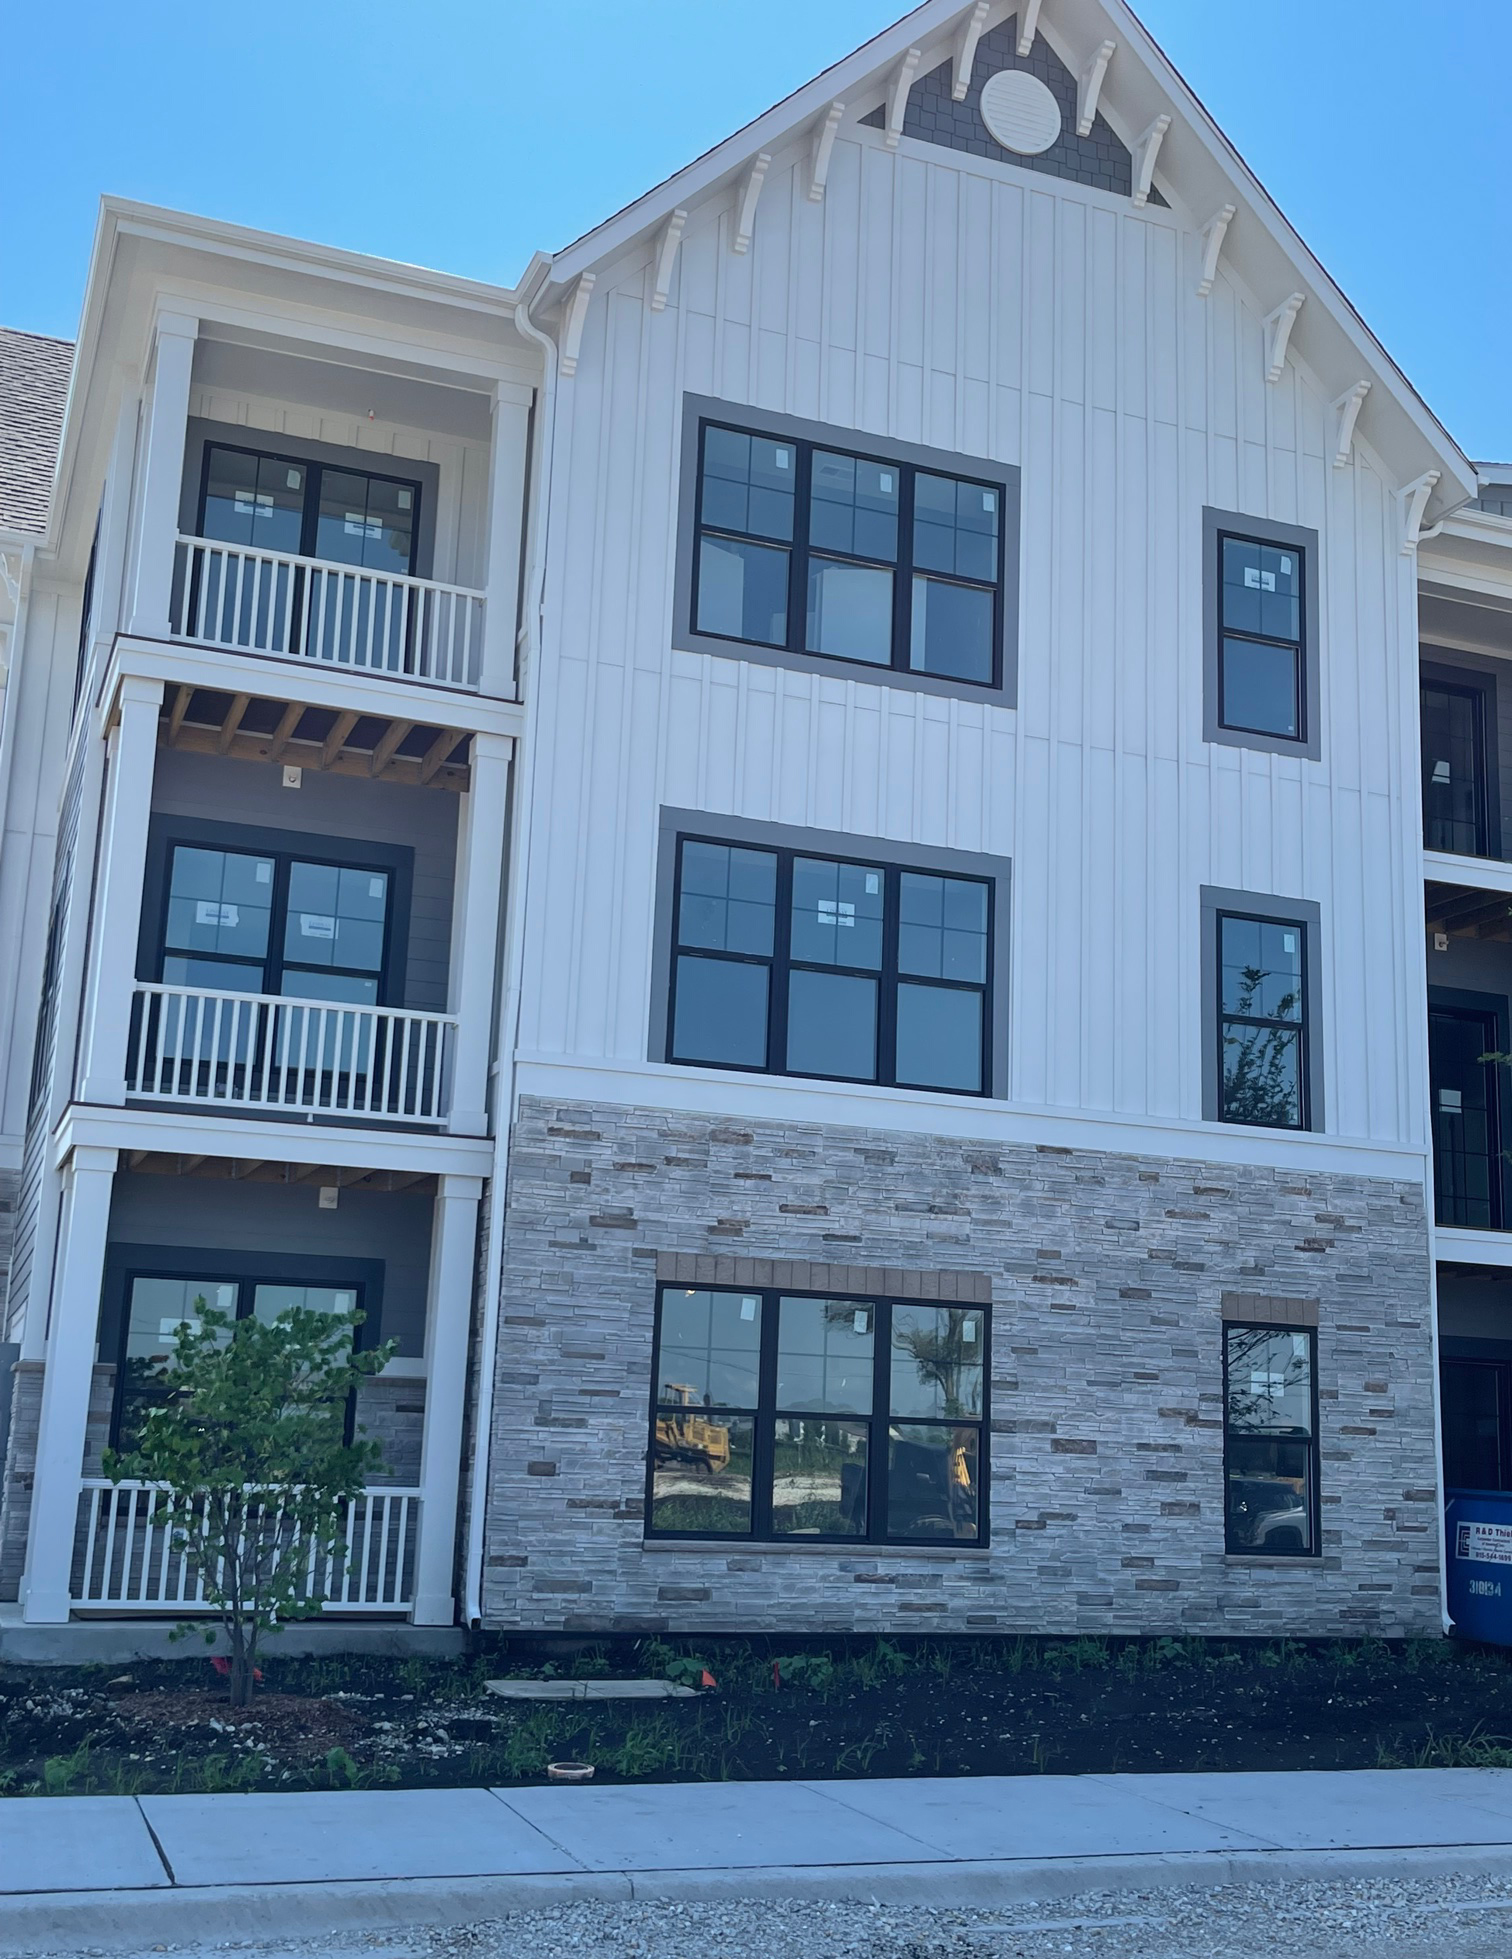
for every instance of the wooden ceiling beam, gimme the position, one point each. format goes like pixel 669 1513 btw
pixel 336 740
pixel 383 754
pixel 230 728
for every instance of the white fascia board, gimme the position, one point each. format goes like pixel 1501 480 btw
pixel 186 1133
pixel 345 688
pixel 709 1091
pixel 270 248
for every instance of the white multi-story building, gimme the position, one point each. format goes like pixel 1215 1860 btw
pixel 799 852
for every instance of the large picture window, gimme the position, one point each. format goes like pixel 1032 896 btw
pixel 847 556
pixel 802 544
pixel 796 963
pixel 781 1416
pixel 1270 1440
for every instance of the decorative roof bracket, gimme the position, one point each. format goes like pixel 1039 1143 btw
pixel 1029 15
pixel 824 145
pixel 897 94
pixel 1213 234
pixel 1278 326
pixel 966 48
pixel 1414 501
pixel 1145 152
pixel 1089 88
pixel 745 210
pixel 573 322
pixel 1347 412
pixel 666 258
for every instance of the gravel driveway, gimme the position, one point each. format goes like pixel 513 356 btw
pixel 1470 1918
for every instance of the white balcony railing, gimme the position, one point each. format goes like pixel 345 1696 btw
pixel 308 609
pixel 210 1049
pixel 125 1556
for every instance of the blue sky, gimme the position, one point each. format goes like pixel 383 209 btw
pixel 465 133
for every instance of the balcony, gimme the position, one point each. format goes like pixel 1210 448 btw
pixel 297 608
pixel 207 1049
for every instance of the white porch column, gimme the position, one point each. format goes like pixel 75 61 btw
pixel 65 1386
pixel 448 1314
pixel 118 894
pixel 475 930
pixel 162 475
pixel 506 517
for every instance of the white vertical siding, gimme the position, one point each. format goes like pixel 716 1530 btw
pixel 963 305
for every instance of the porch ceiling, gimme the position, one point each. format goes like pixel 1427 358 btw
pixel 274 1170
pixel 270 728
pixel 1466 912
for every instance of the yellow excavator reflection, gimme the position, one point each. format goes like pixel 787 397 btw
pixel 691 1437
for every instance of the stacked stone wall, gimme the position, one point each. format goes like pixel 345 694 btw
pixel 1108 1274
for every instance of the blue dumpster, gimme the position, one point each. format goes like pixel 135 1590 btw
pixel 1478 1535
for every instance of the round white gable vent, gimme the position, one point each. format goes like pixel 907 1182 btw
pixel 1020 112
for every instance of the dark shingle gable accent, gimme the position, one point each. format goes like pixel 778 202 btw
pixel 34 371
pixel 1098 159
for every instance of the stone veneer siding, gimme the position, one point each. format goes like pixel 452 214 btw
pixel 1108 1274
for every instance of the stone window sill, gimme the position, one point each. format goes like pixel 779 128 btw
pixel 742 1548
pixel 1246 1558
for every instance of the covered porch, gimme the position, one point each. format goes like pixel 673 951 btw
pixel 151 1231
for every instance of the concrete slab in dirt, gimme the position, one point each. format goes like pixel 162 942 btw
pixel 1327 1809
pixel 589 1690
pixel 56 1843
pixel 320 1837
pixel 987 1817
pixel 712 1826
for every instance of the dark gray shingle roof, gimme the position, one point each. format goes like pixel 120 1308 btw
pixel 34 370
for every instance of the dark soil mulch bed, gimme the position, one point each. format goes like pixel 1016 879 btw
pixel 835 1708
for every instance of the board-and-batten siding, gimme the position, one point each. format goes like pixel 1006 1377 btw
pixel 65 892
pixel 1033 322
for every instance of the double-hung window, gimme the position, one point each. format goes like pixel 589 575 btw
pixel 1270 1440
pixel 780 1416
pixel 799 962
pixel 1261 628
pixel 808 545
pixel 1263 1022
pixel 1260 1032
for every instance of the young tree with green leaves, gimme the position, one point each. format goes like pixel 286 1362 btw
pixel 249 1448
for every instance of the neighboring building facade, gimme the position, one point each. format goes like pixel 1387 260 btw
pixel 852 895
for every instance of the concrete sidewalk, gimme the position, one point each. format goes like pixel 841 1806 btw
pixel 105 1870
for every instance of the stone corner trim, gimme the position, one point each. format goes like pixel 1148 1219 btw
pixel 804 1275
pixel 1266 1309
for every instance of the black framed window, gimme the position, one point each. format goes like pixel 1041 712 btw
pixel 1270 1440
pixel 1261 650
pixel 1262 1021
pixel 275 922
pixel 797 964
pixel 288 504
pixel 1465 1089
pixel 1455 781
pixel 831 552
pixel 158 1303
pixel 782 1416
